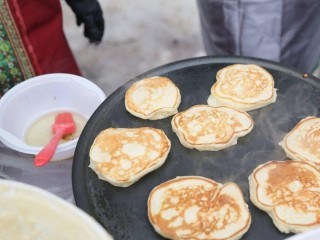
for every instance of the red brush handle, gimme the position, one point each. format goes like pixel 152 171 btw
pixel 46 154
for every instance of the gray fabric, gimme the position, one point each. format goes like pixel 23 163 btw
pixel 286 31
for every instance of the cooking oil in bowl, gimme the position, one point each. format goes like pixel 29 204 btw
pixel 39 133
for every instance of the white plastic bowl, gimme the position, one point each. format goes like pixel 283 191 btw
pixel 309 235
pixel 38 96
pixel 29 212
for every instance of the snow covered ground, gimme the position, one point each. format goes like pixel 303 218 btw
pixel 139 36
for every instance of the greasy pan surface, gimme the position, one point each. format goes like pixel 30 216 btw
pixel 123 211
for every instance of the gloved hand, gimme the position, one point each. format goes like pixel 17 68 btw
pixel 90 14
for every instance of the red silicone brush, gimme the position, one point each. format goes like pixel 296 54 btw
pixel 62 126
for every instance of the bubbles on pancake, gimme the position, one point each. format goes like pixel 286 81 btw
pixel 193 207
pixel 152 98
pixel 245 81
pixel 121 156
pixel 289 192
pixel 207 128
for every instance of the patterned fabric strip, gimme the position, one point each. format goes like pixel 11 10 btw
pixel 15 65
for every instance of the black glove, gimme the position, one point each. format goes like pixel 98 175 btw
pixel 89 13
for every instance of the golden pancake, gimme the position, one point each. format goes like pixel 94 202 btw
pixel 289 191
pixel 302 143
pixel 194 207
pixel 121 156
pixel 153 98
pixel 244 87
pixel 211 128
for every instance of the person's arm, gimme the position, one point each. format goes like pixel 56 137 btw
pixel 90 14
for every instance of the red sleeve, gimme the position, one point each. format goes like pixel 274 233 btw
pixel 40 25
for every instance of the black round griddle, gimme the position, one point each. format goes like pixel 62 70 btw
pixel 123 211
